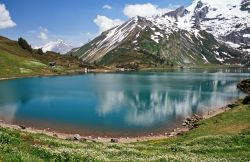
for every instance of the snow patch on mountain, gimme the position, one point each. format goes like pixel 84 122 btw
pixel 227 20
pixel 246 35
pixel 58 46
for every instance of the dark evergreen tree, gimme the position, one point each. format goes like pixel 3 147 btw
pixel 40 51
pixel 24 44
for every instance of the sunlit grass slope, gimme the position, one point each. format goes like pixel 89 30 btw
pixel 17 62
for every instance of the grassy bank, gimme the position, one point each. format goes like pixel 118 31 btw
pixel 18 62
pixel 225 137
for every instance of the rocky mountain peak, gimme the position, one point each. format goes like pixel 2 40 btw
pixel 245 5
pixel 197 33
pixel 58 46
pixel 179 12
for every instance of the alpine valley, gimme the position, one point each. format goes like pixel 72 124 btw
pixel 206 32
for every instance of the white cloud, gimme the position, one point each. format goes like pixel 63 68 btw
pixel 107 7
pixel 43 29
pixel 104 23
pixel 43 34
pixel 5 19
pixel 144 10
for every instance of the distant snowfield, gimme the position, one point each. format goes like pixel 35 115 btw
pixel 221 19
pixel 58 46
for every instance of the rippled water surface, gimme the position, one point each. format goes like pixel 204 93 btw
pixel 122 104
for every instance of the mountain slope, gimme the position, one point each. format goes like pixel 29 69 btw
pixel 227 20
pixel 17 62
pixel 193 35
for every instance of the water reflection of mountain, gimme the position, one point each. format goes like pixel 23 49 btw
pixel 159 101
pixel 117 100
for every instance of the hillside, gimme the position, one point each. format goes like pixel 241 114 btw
pixel 206 32
pixel 16 62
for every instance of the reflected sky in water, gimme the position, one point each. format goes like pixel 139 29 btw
pixel 120 104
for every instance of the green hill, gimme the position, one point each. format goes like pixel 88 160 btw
pixel 17 62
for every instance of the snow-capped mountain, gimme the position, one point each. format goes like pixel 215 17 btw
pixel 208 31
pixel 58 46
pixel 227 20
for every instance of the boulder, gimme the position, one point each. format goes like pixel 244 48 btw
pixel 166 134
pixel 114 140
pixel 244 86
pixel 246 100
pixel 172 134
pixel 197 117
pixel 22 126
pixel 231 105
pixel 180 133
pixel 77 137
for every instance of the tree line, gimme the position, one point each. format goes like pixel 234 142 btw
pixel 26 46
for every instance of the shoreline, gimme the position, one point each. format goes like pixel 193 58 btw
pixel 177 131
pixel 102 70
pixel 76 137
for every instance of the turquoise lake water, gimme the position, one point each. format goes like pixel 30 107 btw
pixel 117 104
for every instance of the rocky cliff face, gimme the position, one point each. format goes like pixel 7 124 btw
pixel 208 31
pixel 227 20
pixel 245 6
pixel 179 12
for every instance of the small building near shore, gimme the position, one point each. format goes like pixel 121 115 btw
pixel 52 64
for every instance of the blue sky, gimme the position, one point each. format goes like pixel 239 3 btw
pixel 74 21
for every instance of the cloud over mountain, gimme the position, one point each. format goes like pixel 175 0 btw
pixel 143 10
pixel 105 23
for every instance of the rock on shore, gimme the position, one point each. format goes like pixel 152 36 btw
pixel 244 86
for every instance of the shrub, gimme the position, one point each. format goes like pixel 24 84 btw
pixel 40 51
pixel 24 44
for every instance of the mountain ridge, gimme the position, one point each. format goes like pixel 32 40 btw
pixel 144 37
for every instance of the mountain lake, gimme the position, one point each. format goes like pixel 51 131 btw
pixel 117 104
